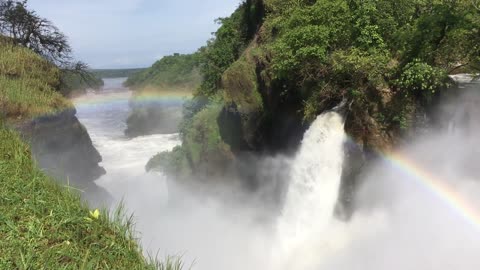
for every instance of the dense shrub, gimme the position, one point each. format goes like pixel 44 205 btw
pixel 422 79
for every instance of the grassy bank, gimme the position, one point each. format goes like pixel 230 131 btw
pixel 28 84
pixel 45 226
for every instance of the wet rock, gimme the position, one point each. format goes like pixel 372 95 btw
pixel 62 147
pixel 153 119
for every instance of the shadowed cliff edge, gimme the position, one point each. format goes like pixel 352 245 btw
pixel 32 104
pixel 62 147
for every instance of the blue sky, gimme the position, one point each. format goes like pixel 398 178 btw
pixel 133 33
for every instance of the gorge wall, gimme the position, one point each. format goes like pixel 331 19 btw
pixel 32 102
pixel 62 147
pixel 148 119
pixel 159 93
pixel 273 66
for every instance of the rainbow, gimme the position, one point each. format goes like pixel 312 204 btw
pixel 439 187
pixel 422 177
pixel 118 98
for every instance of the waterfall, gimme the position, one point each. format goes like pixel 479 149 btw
pixel 314 184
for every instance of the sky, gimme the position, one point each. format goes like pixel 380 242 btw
pixel 133 33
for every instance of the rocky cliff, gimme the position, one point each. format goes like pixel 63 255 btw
pixel 31 102
pixel 273 66
pixel 62 147
pixel 159 94
pixel 153 119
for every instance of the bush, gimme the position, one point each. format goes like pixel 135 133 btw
pixel 174 162
pixel 422 79
pixel 203 136
pixel 303 46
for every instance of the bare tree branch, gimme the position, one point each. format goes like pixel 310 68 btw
pixel 27 29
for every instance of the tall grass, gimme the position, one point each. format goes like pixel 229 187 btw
pixel 27 84
pixel 46 226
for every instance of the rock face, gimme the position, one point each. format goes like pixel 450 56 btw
pixel 62 146
pixel 153 119
pixel 265 118
pixel 281 78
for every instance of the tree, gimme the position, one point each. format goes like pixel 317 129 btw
pixel 28 29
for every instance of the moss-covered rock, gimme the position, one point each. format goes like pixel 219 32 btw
pixel 242 96
pixel 147 119
pixel 387 59
pixel 203 151
pixel 203 144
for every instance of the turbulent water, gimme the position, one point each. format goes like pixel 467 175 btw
pixel 401 221
pixel 104 114
pixel 314 185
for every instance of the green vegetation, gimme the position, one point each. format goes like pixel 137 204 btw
pixel 202 141
pixel 240 83
pixel 116 73
pixel 42 224
pixel 75 81
pixel 173 162
pixel 45 226
pixel 421 78
pixel 202 138
pixel 27 84
pixel 386 58
pixel 202 145
pixel 31 86
pixel 22 26
pixel 171 72
pixel 175 75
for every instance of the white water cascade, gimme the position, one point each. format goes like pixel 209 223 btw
pixel 395 226
pixel 205 231
pixel 314 187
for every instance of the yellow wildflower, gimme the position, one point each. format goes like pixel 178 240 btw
pixel 95 214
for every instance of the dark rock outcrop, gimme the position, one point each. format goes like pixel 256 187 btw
pixel 153 119
pixel 62 147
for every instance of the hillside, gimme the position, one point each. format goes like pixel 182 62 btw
pixel 178 71
pixel 28 84
pixel 273 66
pixel 44 225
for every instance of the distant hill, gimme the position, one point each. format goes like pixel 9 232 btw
pixel 177 71
pixel 116 73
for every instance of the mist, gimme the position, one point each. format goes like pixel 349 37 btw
pixel 399 222
pixel 402 222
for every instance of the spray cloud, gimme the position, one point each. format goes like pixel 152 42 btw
pixel 400 222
